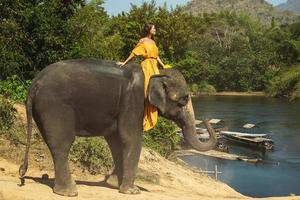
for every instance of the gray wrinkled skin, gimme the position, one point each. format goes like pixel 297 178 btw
pixel 90 97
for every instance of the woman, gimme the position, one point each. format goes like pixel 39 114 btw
pixel 148 49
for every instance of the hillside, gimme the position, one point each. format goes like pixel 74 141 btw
pixel 259 9
pixel 290 5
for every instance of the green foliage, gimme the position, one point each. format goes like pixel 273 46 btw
pixel 228 50
pixel 34 34
pixel 191 67
pixel 203 87
pixel 163 138
pixel 287 84
pixel 14 88
pixel 10 128
pixel 94 38
pixel 17 134
pixel 7 114
pixel 92 153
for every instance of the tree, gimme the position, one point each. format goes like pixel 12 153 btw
pixel 35 34
pixel 92 29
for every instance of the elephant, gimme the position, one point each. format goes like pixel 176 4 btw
pixel 91 97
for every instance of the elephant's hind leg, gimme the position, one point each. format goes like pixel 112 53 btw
pixel 59 135
pixel 64 183
pixel 131 137
pixel 115 145
pixel 131 155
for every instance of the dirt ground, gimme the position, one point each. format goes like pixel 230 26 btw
pixel 158 179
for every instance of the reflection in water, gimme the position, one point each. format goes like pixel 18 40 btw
pixel 279 174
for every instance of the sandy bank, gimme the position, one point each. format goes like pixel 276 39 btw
pixel 232 94
pixel 158 179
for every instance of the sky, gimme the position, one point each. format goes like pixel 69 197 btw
pixel 114 7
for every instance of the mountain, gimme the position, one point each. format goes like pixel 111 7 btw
pixel 290 5
pixel 259 9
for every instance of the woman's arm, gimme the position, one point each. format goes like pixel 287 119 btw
pixel 160 62
pixel 121 64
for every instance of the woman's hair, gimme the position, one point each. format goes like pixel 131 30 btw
pixel 146 30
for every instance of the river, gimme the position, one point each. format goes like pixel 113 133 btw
pixel 279 174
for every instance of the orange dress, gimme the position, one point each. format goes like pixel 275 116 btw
pixel 149 51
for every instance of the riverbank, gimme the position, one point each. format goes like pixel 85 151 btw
pixel 211 153
pixel 231 93
pixel 157 178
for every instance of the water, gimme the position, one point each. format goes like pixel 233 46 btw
pixel 279 175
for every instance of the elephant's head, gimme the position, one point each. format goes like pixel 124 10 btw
pixel 168 91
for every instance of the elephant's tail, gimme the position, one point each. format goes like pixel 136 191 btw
pixel 24 165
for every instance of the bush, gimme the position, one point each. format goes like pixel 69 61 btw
pixel 163 138
pixel 14 88
pixel 203 87
pixel 286 84
pixel 194 88
pixel 92 153
pixel 17 135
pixel 12 131
pixel 7 114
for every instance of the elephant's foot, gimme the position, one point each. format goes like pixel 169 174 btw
pixel 70 191
pixel 112 180
pixel 129 190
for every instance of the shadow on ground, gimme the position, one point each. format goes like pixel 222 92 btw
pixel 50 182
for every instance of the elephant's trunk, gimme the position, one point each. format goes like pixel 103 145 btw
pixel 187 123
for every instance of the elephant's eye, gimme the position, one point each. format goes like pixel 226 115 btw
pixel 183 101
pixel 173 96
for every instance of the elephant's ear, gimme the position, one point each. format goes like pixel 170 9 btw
pixel 157 91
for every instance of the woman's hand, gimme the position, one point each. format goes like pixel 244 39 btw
pixel 121 64
pixel 160 62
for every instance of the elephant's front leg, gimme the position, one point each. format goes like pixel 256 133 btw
pixel 131 136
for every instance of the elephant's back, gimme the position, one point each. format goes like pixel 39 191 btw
pixel 83 78
pixel 80 78
pixel 83 83
pixel 66 68
pixel 85 67
pixel 93 65
pixel 69 73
